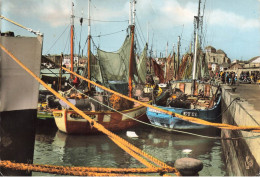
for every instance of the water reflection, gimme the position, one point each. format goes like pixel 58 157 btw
pixel 54 147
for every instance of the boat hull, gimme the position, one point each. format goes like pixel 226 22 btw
pixel 164 120
pixel 70 122
pixel 18 100
pixel 210 114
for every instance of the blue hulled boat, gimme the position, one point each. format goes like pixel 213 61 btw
pixel 189 94
pixel 206 107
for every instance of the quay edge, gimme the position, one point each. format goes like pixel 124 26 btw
pixel 241 155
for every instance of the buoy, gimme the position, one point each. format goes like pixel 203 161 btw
pixel 188 166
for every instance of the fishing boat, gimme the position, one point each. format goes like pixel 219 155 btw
pixel 193 97
pixel 114 70
pixel 184 102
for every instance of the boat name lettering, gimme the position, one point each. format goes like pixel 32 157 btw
pixel 57 115
pixel 190 113
pixel 77 116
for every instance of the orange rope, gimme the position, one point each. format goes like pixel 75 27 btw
pixel 54 170
pixel 70 170
pixel 92 122
pixel 186 118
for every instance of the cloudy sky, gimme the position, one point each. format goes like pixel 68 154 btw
pixel 230 25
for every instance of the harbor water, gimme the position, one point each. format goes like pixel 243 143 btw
pixel 56 148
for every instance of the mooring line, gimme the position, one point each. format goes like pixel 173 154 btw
pixel 93 122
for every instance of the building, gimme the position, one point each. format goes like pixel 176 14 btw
pixel 55 59
pixel 216 56
pixel 223 66
pixel 250 66
pixel 253 63
pixel 236 66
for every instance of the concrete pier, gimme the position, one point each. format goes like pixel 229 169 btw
pixel 242 155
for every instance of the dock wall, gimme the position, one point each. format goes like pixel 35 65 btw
pixel 242 155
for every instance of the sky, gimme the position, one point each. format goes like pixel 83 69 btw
pixel 230 25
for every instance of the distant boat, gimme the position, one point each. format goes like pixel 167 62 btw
pixel 192 98
pixel 114 70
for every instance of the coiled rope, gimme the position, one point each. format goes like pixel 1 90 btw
pixel 134 151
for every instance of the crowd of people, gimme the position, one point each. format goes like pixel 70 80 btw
pixel 232 78
pixel 228 77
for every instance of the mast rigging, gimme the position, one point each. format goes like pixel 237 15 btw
pixel 72 40
pixel 89 37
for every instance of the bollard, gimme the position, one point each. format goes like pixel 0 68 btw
pixel 188 166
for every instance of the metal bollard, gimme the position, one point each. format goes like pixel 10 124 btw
pixel 188 166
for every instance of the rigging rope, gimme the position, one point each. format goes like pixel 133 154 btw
pixel 141 32
pixel 103 20
pixel 110 33
pixel 57 39
pixel 66 47
pixel 21 26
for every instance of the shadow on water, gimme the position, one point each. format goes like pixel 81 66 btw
pixel 56 148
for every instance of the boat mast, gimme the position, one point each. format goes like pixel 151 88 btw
pixel 197 18
pixel 174 62
pixel 165 64
pixel 178 57
pixel 130 13
pixel 71 39
pixel 60 78
pixel 132 26
pixel 147 33
pixel 89 37
pixel 81 21
pixel 190 51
